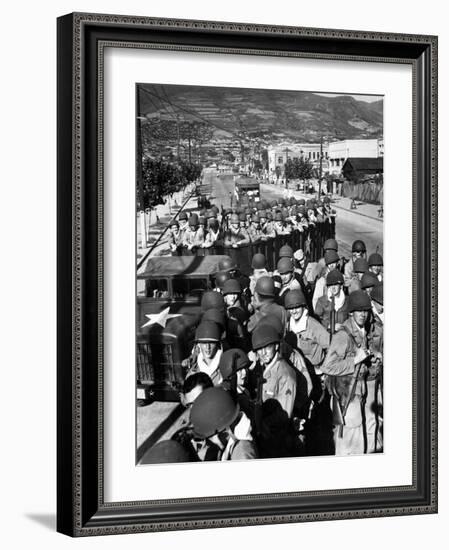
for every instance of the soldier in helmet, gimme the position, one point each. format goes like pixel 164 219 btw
pixel 320 268
pixel 331 259
pixel 258 263
pixel 193 236
pixel 264 303
pixel 286 270
pixel 217 418
pixel 358 251
pixel 275 395
pixel 213 235
pixel 175 238
pixel 266 226
pixel 375 263
pixel 235 236
pixel 368 282
pixel 279 224
pixel 332 308
pixel 309 335
pixel 220 278
pixel 351 379
pixel 237 315
pixel 254 231
pixel 183 223
pixel 208 350
pixel 360 267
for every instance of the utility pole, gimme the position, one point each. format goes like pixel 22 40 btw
pixel 285 169
pixel 321 167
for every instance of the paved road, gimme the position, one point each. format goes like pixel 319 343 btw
pixel 222 187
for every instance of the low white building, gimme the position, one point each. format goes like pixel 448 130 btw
pixel 340 151
pixel 279 154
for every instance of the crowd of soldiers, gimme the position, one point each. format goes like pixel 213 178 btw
pixel 287 362
pixel 234 227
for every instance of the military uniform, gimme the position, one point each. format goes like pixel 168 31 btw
pixel 361 431
pixel 267 308
pixel 323 311
pixel 239 237
pixel 193 238
pixel 311 338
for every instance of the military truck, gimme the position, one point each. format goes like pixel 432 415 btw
pixel 247 188
pixel 166 320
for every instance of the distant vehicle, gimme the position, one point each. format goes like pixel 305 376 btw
pixel 247 189
pixel 177 283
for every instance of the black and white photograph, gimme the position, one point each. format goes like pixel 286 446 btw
pixel 259 236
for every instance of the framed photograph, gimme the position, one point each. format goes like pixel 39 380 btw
pixel 247 274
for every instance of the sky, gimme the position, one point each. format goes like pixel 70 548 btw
pixel 358 97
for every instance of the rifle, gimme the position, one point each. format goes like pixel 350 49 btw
pixel 350 396
pixel 332 317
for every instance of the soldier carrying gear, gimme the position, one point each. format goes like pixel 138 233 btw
pixel 332 308
pixel 217 417
pixel 352 383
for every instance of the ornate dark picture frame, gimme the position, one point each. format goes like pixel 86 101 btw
pixel 81 509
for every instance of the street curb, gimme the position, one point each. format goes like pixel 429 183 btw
pixel 359 213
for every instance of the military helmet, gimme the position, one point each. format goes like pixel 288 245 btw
pixel 231 361
pixel 173 222
pixel 262 214
pixel 255 218
pixel 334 277
pixel 326 200
pixel 210 214
pixel 165 451
pixel 301 202
pixel 235 218
pixel 214 209
pixel 202 220
pixel 359 301
pixel 274 321
pixel 358 246
pixel 294 298
pixel 258 261
pixel 375 259
pixel 265 286
pixel 264 335
pixel 216 316
pixel 377 294
pixel 208 331
pixel 226 265
pixel 193 220
pixel 301 210
pixel 242 217
pixel 285 265
pixel 368 280
pixel 212 299
pixel 183 215
pixel 360 265
pixel 286 251
pixel 269 215
pixel 221 277
pixel 331 257
pixel 278 217
pixel 213 411
pixel 273 203
pixel 330 244
pixel 232 286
